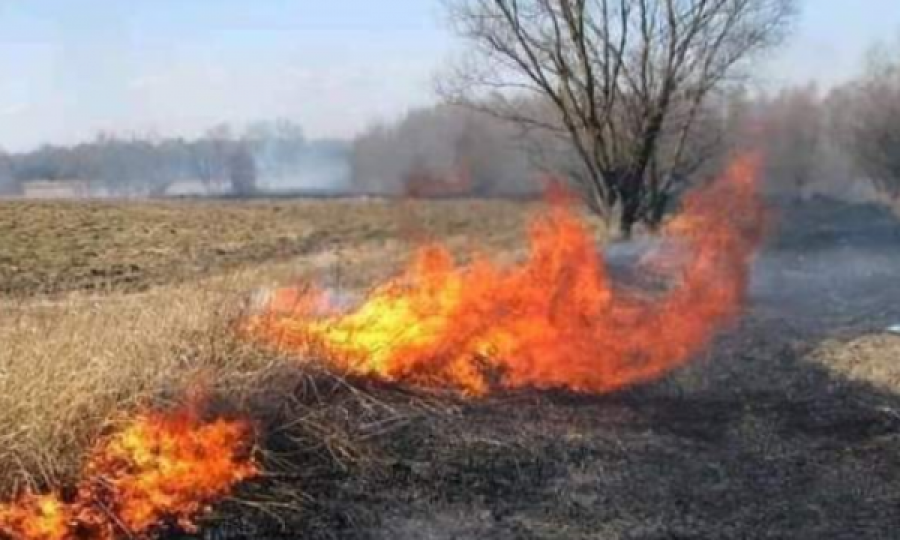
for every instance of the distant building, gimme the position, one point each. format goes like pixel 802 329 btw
pixel 55 189
pixel 186 188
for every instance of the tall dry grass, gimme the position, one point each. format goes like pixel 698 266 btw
pixel 71 364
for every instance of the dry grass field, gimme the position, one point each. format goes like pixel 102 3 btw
pixel 106 305
pixel 779 431
pixel 53 247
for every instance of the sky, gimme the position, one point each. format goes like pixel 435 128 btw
pixel 70 69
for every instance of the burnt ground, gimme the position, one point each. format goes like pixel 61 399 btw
pixel 754 440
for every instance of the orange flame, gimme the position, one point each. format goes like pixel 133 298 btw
pixel 554 321
pixel 37 517
pixel 159 468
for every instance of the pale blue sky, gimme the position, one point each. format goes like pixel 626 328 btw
pixel 69 68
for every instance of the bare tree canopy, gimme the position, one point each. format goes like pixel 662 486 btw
pixel 872 107
pixel 623 81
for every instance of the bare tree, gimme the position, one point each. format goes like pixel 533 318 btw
pixel 624 81
pixel 8 183
pixel 242 170
pixel 794 139
pixel 872 122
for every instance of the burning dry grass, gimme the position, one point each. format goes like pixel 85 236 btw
pixel 74 375
pixel 74 364
pixel 156 467
pixel 81 374
pixel 73 367
pixel 69 367
pixel 70 363
pixel 537 464
pixel 554 320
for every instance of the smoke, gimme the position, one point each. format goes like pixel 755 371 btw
pixel 288 161
pixel 317 166
pixel 443 150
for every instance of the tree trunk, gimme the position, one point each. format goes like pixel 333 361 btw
pixel 601 200
pixel 657 210
pixel 630 194
pixel 628 219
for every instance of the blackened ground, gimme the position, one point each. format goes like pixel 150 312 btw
pixel 755 440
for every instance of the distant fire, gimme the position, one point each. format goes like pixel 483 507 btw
pixel 554 321
pixel 159 469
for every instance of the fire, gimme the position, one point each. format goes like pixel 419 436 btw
pixel 554 321
pixel 37 517
pixel 158 469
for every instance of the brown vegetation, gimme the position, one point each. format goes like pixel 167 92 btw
pixel 51 247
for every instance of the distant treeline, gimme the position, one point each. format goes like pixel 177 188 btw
pixel 275 153
pixel 841 142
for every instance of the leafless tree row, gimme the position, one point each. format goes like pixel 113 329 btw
pixel 871 121
pixel 841 142
pixel 219 161
pixel 844 141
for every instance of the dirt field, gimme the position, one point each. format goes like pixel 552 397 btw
pixel 789 427
pixel 53 247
